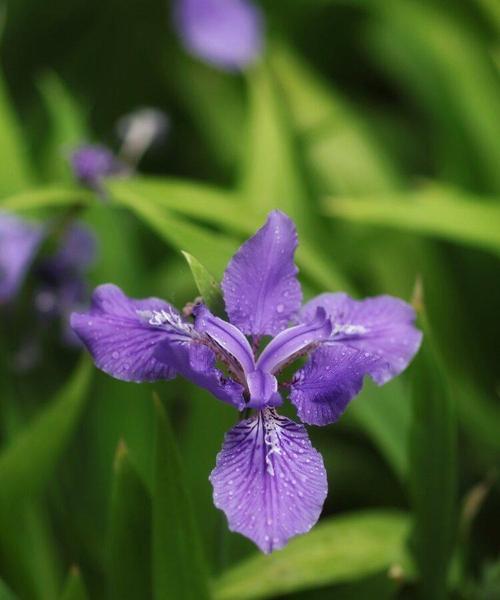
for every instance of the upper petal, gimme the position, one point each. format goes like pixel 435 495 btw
pixel 333 375
pixel 260 285
pixel 122 334
pixel 197 363
pixel 19 241
pixel 225 33
pixel 269 480
pixel 382 326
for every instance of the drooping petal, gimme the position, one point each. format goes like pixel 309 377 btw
pixel 122 334
pixel 328 381
pixel 382 325
pixel 19 241
pixel 290 343
pixel 197 363
pixel 260 285
pixel 228 337
pixel 269 480
pixel 224 33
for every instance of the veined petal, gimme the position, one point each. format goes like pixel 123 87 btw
pixel 269 481
pixel 228 337
pixel 382 326
pixel 19 241
pixel 328 381
pixel 291 342
pixel 197 363
pixel 122 334
pixel 260 285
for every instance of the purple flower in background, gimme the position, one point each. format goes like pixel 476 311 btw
pixel 268 479
pixel 19 241
pixel 91 163
pixel 62 286
pixel 224 33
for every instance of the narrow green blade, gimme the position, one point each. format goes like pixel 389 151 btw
pixel 130 532
pixel 179 569
pixel 74 588
pixel 209 289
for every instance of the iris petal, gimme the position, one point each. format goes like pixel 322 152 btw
pixel 118 333
pixel 269 480
pixel 382 326
pixel 260 285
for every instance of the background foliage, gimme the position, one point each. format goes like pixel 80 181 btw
pixel 375 124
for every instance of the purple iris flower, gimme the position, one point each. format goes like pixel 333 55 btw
pixel 268 479
pixel 224 33
pixel 91 163
pixel 19 241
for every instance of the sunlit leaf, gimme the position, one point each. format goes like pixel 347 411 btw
pixel 179 569
pixel 433 210
pixel 130 532
pixel 339 549
pixel 46 197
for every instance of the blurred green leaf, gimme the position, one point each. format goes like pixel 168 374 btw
pixel 67 128
pixel 433 472
pixel 209 289
pixel 29 558
pixel 179 569
pixel 46 197
pixel 433 210
pixel 130 532
pixel 384 413
pixel 180 234
pixel 338 549
pixel 5 593
pixel 15 169
pixel 341 152
pixel 27 463
pixel 448 67
pixel 74 588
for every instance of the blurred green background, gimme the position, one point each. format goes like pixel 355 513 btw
pixel 376 125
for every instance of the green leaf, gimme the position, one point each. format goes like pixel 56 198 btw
pixel 433 210
pixel 74 588
pixel 46 197
pixel 340 150
pixel 433 472
pixel 27 464
pixel 179 233
pixel 15 169
pixel 6 593
pixel 209 289
pixel 384 413
pixel 339 549
pixel 67 128
pixel 130 532
pixel 179 569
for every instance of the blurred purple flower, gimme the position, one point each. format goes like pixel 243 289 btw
pixel 62 286
pixel 269 480
pixel 19 241
pixel 224 33
pixel 91 163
